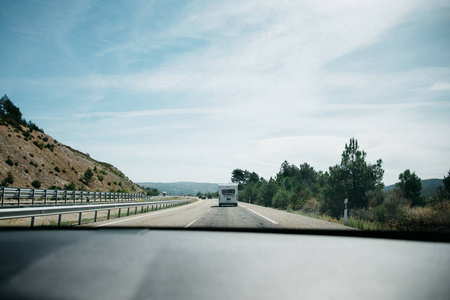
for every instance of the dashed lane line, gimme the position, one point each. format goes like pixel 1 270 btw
pixel 190 224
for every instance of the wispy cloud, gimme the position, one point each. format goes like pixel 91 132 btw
pixel 147 113
pixel 251 80
pixel 441 86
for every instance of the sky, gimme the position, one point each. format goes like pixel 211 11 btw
pixel 190 90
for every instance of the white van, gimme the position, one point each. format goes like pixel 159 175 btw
pixel 228 194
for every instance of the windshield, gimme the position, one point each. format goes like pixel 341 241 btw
pixel 321 114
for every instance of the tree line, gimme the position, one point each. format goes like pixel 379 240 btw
pixel 11 114
pixel 303 188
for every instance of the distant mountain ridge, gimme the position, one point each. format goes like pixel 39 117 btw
pixel 182 187
pixel 429 186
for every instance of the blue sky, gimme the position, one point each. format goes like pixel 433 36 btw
pixel 190 90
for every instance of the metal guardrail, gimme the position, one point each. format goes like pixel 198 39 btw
pixel 27 196
pixel 26 212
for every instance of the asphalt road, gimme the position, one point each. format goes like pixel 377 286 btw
pixel 207 213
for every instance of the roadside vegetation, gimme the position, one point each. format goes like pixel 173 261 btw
pixel 301 189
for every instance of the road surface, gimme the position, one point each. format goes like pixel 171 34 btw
pixel 207 214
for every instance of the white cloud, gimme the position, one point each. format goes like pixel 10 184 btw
pixel 250 91
pixel 441 86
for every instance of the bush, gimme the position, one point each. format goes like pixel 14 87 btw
pixel 8 180
pixel 70 187
pixel 380 213
pixel 9 161
pixel 374 197
pixel 39 145
pixel 88 176
pixel 36 184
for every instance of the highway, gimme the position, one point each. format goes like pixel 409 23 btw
pixel 207 214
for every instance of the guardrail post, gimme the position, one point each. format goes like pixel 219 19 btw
pixel 32 196
pixel 128 211
pixel 109 213
pixel 3 195
pixel 81 199
pixel 65 197
pixel 135 210
pixel 95 194
pixel 74 196
pixel 45 197
pixel 95 216
pixel 56 196
pixel 79 219
pixel 18 197
pixel 32 222
pixel 119 211
pixel 59 220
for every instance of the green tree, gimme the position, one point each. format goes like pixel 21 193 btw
pixel 411 187
pixel 88 176
pixel 352 179
pixel 9 110
pixel 443 193
pixel 237 176
pixel 359 176
pixel 334 192
pixel 268 190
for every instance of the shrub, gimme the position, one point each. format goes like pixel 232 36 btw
pixel 36 184
pixel 39 145
pixel 9 161
pixel 57 169
pixel 88 176
pixel 70 187
pixel 8 180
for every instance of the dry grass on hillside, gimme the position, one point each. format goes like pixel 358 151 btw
pixel 35 156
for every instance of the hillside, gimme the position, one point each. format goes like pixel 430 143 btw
pixel 182 188
pixel 429 186
pixel 28 155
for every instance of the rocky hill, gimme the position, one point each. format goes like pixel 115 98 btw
pixel 31 158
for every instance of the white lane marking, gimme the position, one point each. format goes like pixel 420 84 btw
pixel 209 209
pixel 142 216
pixel 190 224
pixel 270 220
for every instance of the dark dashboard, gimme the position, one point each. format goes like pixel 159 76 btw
pixel 221 264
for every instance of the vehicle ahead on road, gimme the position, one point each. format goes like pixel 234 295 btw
pixel 228 194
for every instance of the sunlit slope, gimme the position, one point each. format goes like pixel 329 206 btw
pixel 31 158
